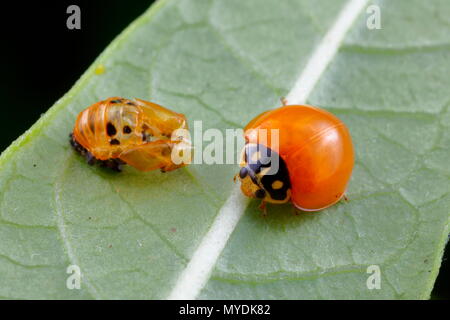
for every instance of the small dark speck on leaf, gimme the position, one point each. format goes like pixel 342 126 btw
pixel 110 246
pixel 173 229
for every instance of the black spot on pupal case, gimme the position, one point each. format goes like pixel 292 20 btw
pixel 114 142
pixel 110 129
pixel 126 129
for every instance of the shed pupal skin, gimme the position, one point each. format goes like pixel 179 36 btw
pixel 120 131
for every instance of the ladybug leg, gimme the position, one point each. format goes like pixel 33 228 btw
pixel 284 102
pixel 295 211
pixel 345 197
pixel 235 177
pixel 263 208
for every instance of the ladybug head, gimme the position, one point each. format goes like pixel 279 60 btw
pixel 264 174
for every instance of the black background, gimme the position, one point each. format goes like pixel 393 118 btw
pixel 42 59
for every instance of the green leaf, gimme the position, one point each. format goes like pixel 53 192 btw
pixel 134 235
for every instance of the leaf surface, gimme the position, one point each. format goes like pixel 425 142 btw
pixel 223 62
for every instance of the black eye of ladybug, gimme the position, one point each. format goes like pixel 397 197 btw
pixel 243 172
pixel 260 193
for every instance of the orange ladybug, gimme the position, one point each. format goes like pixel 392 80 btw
pixel 314 154
pixel 120 131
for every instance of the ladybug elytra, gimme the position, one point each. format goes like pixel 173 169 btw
pixel 315 157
